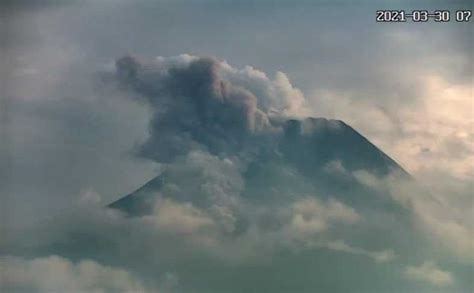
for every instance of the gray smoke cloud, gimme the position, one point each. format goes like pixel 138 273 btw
pixel 203 103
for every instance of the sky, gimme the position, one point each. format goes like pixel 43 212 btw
pixel 69 138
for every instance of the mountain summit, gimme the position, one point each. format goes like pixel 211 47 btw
pixel 323 153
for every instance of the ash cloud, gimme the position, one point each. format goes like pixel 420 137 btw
pixel 203 103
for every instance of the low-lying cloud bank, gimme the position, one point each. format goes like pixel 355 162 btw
pixel 429 272
pixel 56 274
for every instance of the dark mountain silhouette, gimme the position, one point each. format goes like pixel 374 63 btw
pixel 310 147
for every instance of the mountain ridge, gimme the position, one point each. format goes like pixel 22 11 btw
pixel 309 145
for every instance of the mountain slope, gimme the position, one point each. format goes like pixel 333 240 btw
pixel 324 152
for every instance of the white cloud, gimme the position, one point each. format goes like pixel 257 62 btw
pixel 54 274
pixel 429 272
pixel 381 256
pixel 452 227
pixel 438 133
pixel 277 95
pixel 311 216
pixel 448 220
pixel 179 218
pixel 432 136
pixel 432 132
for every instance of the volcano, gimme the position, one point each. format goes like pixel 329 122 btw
pixel 326 153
